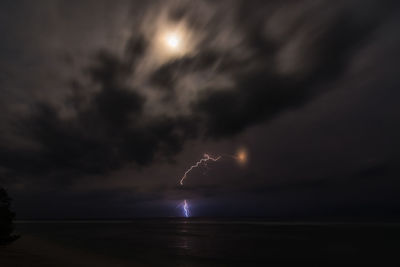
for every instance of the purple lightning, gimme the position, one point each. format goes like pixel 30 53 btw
pixel 240 157
pixel 186 209
pixel 205 158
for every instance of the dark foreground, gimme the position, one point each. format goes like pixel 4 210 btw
pixel 202 242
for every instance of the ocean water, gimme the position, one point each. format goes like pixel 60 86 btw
pixel 221 242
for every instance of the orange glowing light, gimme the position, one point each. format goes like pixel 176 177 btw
pixel 241 156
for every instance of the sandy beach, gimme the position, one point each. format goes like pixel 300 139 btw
pixel 32 251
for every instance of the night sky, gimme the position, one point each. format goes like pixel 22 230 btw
pixel 105 104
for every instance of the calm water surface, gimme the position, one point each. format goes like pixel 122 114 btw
pixel 212 242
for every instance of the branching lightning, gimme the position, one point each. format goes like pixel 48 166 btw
pixel 240 157
pixel 205 158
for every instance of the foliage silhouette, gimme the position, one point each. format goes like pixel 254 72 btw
pixel 6 219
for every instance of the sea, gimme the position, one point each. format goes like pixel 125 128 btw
pixel 218 242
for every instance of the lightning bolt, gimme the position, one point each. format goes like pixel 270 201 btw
pixel 240 157
pixel 186 209
pixel 205 158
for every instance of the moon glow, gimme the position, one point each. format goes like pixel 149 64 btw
pixel 173 41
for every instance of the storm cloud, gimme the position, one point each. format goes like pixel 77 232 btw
pixel 110 121
pixel 92 96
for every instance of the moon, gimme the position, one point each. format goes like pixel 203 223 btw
pixel 173 41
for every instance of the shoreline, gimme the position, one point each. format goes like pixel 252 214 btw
pixel 32 251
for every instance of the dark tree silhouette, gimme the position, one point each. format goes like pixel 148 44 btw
pixel 6 218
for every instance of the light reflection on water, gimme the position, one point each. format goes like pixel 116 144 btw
pixel 205 242
pixel 183 239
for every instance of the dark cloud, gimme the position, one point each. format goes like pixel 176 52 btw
pixel 93 93
pixel 104 134
pixel 262 93
pixel 109 126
